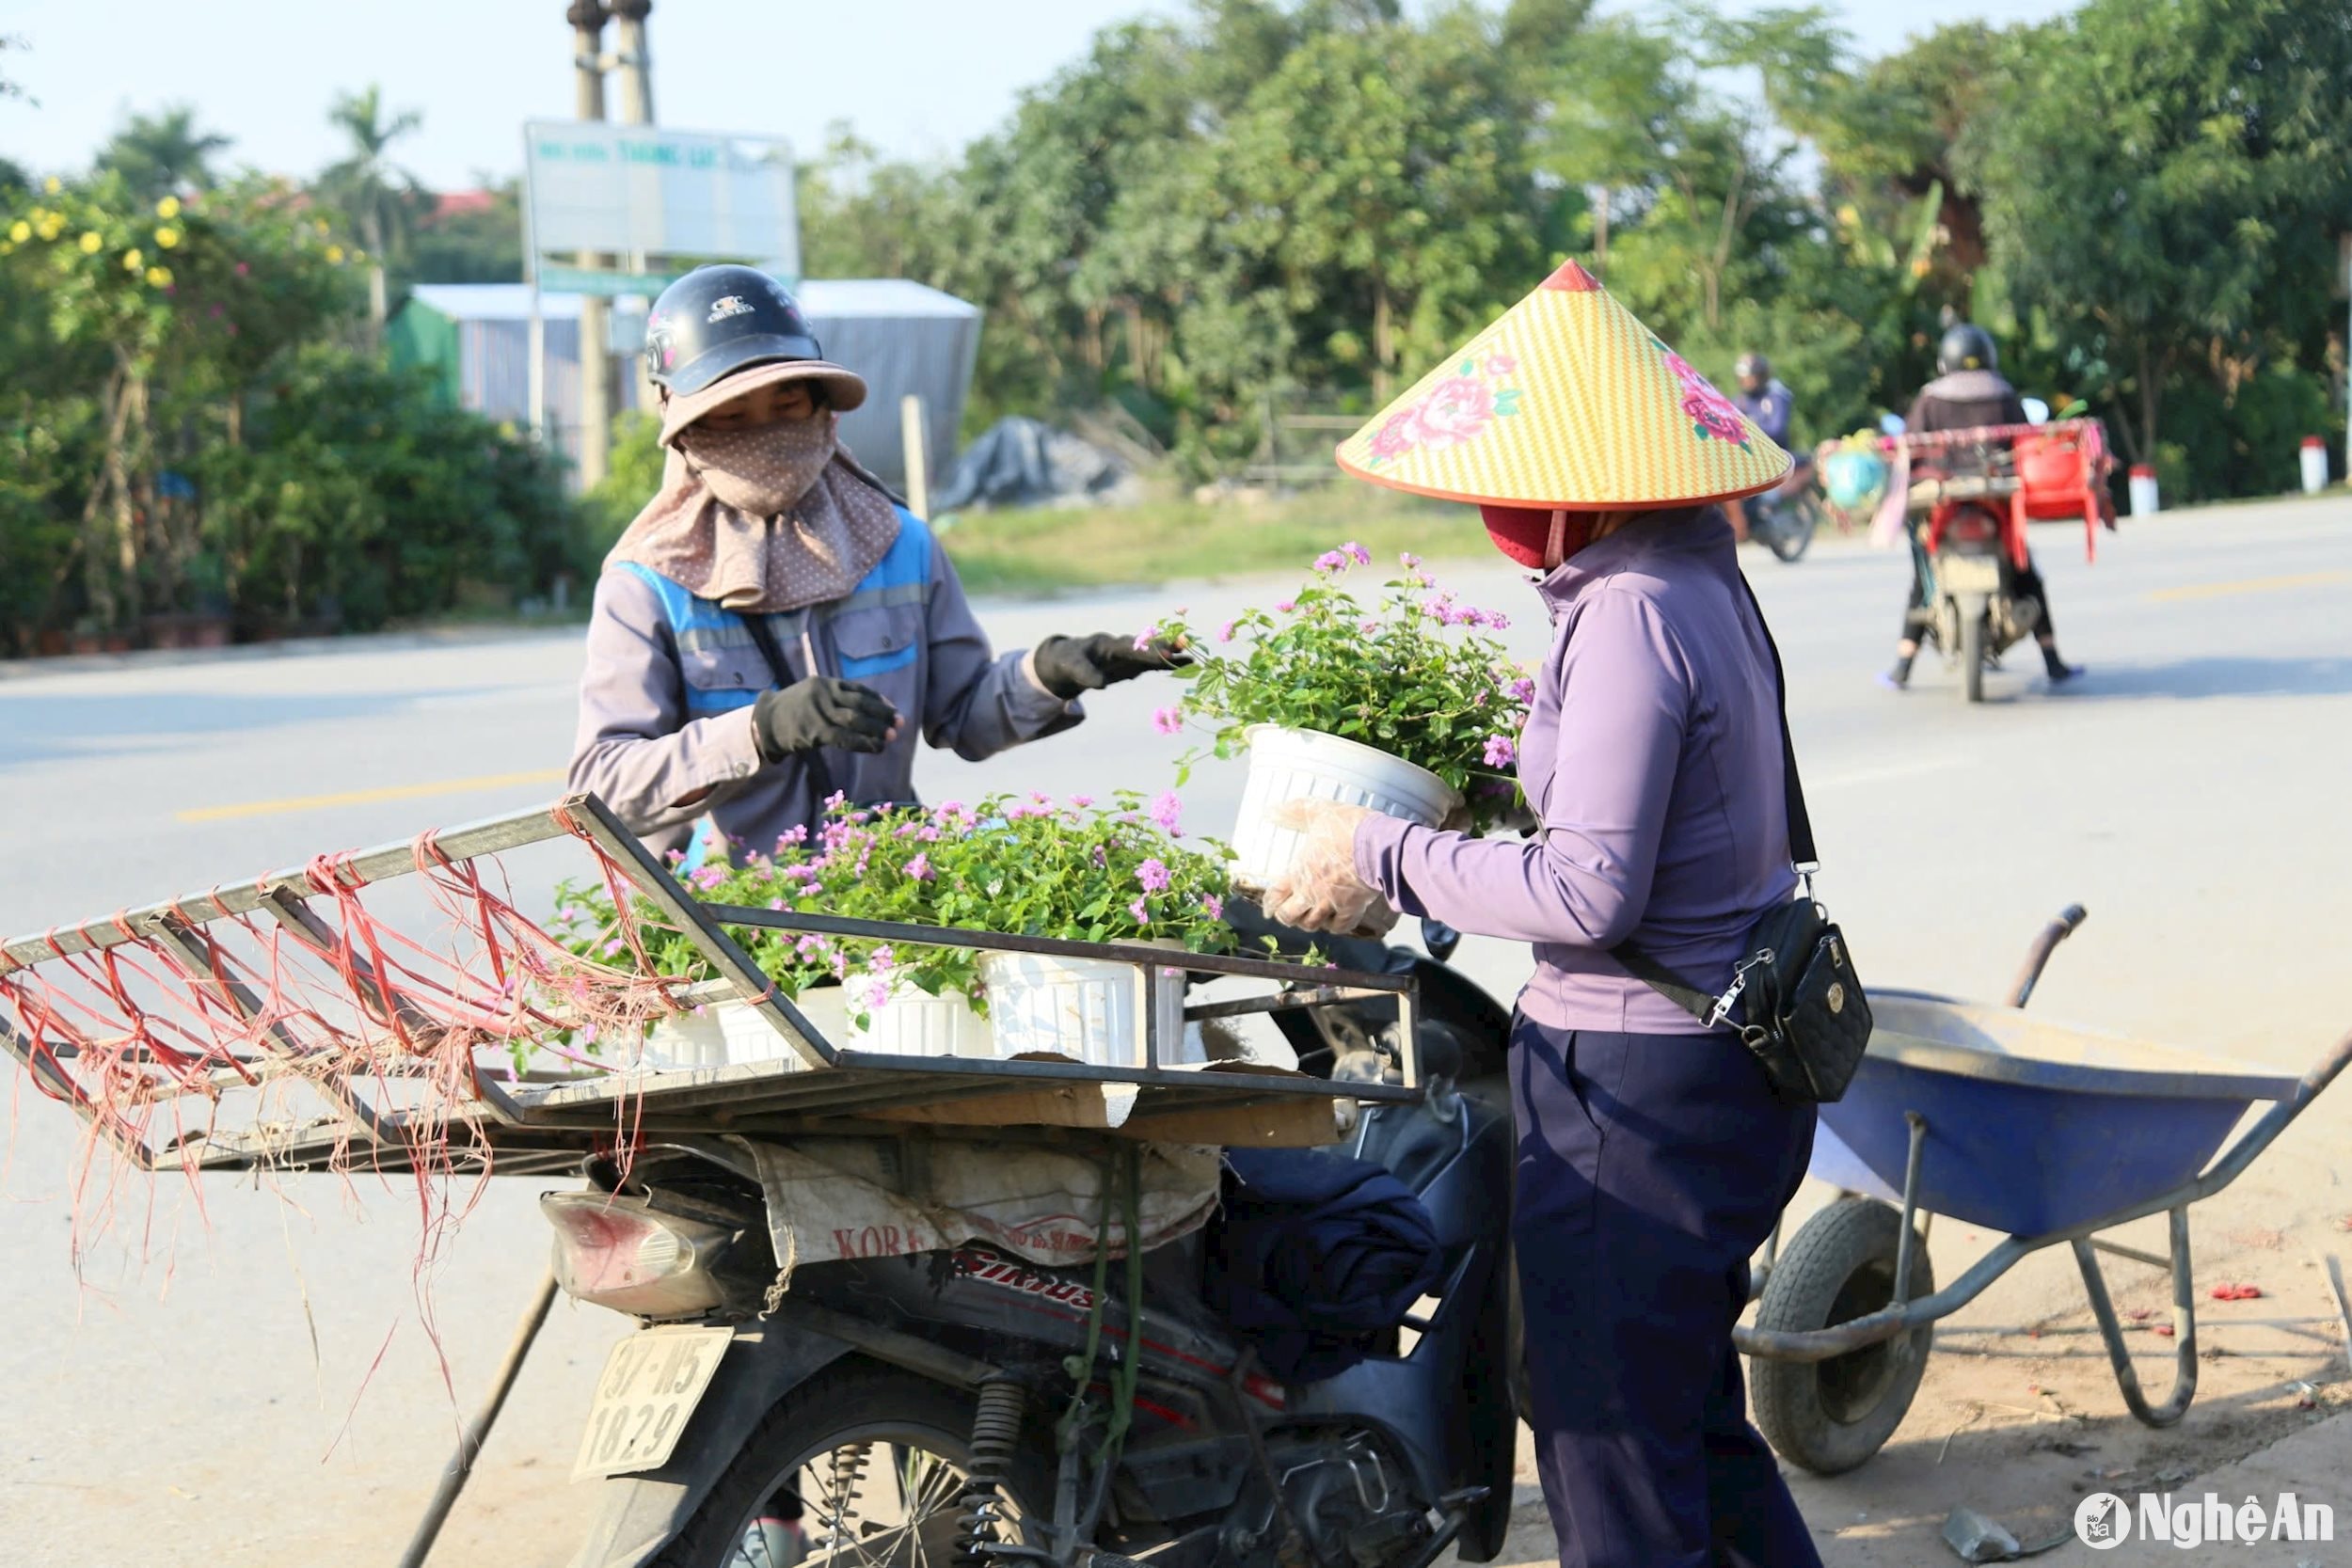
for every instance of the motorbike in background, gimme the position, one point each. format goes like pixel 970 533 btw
pixel 1967 515
pixel 969 1408
pixel 1967 546
pixel 1785 518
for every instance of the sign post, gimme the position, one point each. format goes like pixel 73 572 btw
pixel 669 196
pixel 613 210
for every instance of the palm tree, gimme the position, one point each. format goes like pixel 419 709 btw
pixel 376 193
pixel 163 154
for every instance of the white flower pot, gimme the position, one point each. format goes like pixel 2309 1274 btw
pixel 1089 1009
pixel 913 1022
pixel 721 1029
pixel 1306 765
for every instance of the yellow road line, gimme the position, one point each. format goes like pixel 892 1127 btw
pixel 2249 585
pixel 368 797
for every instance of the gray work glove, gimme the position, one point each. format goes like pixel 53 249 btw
pixel 819 712
pixel 1066 666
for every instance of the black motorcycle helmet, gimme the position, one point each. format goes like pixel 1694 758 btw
pixel 1965 346
pixel 715 321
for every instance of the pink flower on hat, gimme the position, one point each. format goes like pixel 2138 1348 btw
pixel 1457 409
pixel 1395 438
pixel 1710 412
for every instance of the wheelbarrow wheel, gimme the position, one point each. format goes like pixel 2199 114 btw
pixel 1831 1416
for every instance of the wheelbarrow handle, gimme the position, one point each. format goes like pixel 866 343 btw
pixel 2038 956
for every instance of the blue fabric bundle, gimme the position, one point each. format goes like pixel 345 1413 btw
pixel 1313 1255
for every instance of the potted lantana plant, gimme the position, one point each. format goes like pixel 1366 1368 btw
pixel 1407 706
pixel 1014 864
pixel 866 994
pixel 1082 873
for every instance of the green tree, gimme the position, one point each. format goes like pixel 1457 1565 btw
pixel 163 154
pixel 481 245
pixel 1383 171
pixel 377 197
pixel 151 320
pixel 2163 183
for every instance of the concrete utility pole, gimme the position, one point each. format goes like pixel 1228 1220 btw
pixel 587 18
pixel 634 59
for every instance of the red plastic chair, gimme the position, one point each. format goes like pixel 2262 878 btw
pixel 2062 472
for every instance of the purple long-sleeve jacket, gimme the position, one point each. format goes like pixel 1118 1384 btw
pixel 1651 759
pixel 665 716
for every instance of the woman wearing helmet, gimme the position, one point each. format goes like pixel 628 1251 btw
pixel 775 627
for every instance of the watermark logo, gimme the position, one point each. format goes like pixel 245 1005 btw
pixel 2104 1521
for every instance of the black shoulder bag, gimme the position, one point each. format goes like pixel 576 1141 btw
pixel 1795 998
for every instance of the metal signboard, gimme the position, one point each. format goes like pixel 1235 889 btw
pixel 639 190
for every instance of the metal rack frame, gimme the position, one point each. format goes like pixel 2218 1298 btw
pixel 535 1125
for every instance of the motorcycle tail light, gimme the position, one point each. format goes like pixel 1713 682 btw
pixel 1973 528
pixel 619 1253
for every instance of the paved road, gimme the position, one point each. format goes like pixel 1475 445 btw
pixel 253 1384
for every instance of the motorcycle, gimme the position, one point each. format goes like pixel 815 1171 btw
pixel 1785 518
pixel 1968 546
pixel 967 1406
pixel 1966 519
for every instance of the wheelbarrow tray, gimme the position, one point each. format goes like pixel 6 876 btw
pixel 2033 1126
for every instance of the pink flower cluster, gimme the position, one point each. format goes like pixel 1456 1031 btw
pixel 1349 554
pixel 1440 607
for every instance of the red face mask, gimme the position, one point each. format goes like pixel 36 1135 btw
pixel 1537 538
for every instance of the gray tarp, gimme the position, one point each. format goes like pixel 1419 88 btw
pixel 1019 462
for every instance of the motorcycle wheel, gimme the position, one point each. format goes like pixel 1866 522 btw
pixel 1793 525
pixel 873 1460
pixel 1972 657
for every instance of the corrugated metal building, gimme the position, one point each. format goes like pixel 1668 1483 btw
pixel 903 336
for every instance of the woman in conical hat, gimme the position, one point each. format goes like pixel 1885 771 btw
pixel 1654 1157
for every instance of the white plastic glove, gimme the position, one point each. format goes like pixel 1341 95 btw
pixel 1320 892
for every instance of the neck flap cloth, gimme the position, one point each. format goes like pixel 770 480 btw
pixel 763 520
pixel 1566 402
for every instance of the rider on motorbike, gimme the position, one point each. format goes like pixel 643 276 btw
pixel 1767 406
pixel 1968 394
pixel 1762 398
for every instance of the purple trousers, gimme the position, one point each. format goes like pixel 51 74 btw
pixel 1650 1168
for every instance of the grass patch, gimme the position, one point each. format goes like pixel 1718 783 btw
pixel 1049 550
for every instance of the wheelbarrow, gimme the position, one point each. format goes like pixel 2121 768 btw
pixel 2048 1133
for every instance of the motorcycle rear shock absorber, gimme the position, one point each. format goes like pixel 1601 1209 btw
pixel 995 1439
pixel 846 1470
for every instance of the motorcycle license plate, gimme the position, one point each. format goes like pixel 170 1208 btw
pixel 1968 574
pixel 651 1383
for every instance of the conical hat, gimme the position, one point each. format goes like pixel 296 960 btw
pixel 1567 401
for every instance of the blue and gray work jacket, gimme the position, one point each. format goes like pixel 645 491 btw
pixel 665 702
